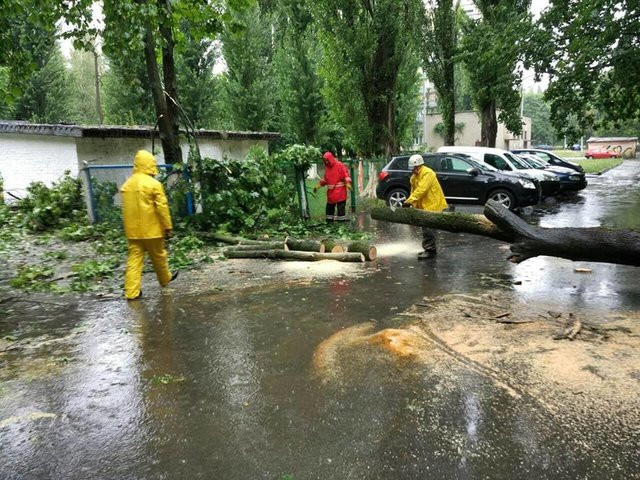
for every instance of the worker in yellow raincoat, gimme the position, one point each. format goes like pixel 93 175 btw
pixel 426 194
pixel 147 222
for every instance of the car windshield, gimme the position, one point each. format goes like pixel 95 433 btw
pixel 483 167
pixel 531 161
pixel 517 162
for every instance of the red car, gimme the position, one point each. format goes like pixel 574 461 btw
pixel 597 153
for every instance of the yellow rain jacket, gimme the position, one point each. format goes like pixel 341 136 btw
pixel 426 192
pixel 145 210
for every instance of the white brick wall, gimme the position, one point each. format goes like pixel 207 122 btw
pixel 30 158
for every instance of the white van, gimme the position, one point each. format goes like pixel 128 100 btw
pixel 507 161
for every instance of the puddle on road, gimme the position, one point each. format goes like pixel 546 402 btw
pixel 252 403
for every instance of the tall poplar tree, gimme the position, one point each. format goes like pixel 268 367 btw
pixel 438 55
pixel 248 85
pixel 491 48
pixel 368 47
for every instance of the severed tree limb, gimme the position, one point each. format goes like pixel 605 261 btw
pixel 451 221
pixel 587 244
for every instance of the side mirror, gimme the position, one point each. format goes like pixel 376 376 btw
pixel 473 171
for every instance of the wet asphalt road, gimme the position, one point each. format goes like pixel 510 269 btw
pixel 209 386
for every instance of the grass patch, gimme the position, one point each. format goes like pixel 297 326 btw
pixel 599 165
pixel 569 153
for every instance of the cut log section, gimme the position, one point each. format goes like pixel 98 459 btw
pixel 304 245
pixel 528 241
pixel 369 251
pixel 263 246
pixel 334 246
pixel 224 238
pixel 295 255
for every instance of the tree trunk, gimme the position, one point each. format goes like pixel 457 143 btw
pixel 167 122
pixel 293 255
pixel 489 128
pixel 369 251
pixel 451 222
pixel 448 45
pixel 584 244
pixel 579 244
pixel 170 81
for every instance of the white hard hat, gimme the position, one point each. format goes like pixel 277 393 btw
pixel 415 160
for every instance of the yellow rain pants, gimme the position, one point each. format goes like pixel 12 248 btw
pixel 135 261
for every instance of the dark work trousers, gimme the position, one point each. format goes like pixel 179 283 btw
pixel 331 212
pixel 428 240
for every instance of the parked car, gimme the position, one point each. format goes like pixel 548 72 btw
pixel 505 161
pixel 570 180
pixel 600 153
pixel 576 147
pixel 463 181
pixel 544 146
pixel 550 158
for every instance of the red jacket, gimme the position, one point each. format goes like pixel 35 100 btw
pixel 336 178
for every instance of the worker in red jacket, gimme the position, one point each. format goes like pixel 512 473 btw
pixel 337 180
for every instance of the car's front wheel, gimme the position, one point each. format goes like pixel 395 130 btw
pixel 504 198
pixel 396 197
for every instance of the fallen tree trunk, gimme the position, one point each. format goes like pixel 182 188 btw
pixel 295 255
pixel 585 244
pixel 304 245
pixel 369 251
pixel 451 221
pixel 588 244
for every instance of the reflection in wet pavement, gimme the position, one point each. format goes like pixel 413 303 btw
pixel 222 386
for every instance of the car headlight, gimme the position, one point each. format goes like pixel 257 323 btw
pixel 574 178
pixel 552 179
pixel 527 183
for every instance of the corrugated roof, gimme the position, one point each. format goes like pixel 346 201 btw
pixel 102 131
pixel 613 139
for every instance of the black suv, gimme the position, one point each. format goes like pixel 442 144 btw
pixel 463 181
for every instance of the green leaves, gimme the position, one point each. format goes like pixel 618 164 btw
pixel 245 194
pixel 590 50
pixel 300 156
pixel 46 208
pixel 369 64
pixel 490 49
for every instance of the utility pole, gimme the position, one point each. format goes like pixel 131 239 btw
pixel 97 82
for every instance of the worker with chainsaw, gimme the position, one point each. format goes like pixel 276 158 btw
pixel 337 180
pixel 147 222
pixel 426 194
